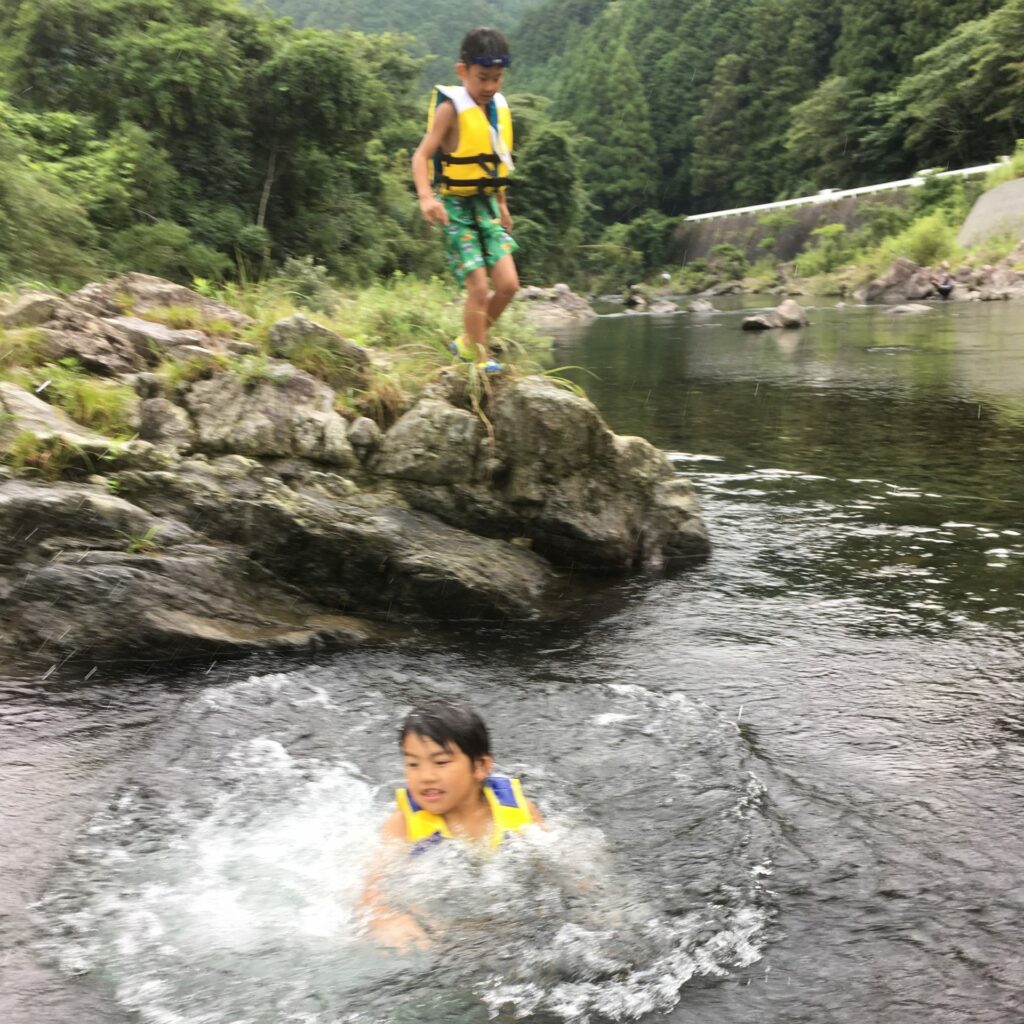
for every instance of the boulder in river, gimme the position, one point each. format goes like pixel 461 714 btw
pixel 903 282
pixel 552 307
pixel 549 469
pixel 788 314
pixel 911 308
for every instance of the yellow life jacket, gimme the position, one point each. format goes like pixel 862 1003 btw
pixel 483 160
pixel 508 808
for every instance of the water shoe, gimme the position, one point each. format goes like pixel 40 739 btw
pixel 464 350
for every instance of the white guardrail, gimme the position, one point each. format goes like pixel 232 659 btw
pixel 832 195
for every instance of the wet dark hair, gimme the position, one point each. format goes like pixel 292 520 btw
pixel 449 724
pixel 486 43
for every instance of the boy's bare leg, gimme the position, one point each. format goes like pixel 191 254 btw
pixel 505 280
pixel 476 313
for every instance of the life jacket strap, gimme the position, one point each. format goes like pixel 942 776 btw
pixel 478 183
pixel 483 158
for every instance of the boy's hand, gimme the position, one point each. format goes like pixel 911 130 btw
pixel 433 210
pixel 506 219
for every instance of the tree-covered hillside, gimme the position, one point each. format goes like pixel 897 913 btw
pixel 743 101
pixel 435 28
pixel 211 138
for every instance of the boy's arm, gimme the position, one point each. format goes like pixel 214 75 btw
pixel 444 119
pixel 538 818
pixel 399 931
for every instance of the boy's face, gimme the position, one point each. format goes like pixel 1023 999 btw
pixel 439 779
pixel 482 83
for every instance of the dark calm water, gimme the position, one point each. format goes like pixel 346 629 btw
pixel 784 787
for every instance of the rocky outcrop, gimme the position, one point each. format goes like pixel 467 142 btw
pixel 700 306
pixel 788 314
pixel 287 413
pixel 348 360
pixel 88 575
pixel 552 472
pixel 249 513
pixel 554 307
pixel 906 282
pixel 903 282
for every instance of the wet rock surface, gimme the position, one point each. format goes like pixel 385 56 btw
pixel 250 514
pixel 905 282
pixel 789 314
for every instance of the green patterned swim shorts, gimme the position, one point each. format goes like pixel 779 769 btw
pixel 473 236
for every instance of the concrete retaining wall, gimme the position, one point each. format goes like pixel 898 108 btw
pixel 998 212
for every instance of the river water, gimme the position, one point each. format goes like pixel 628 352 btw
pixel 783 787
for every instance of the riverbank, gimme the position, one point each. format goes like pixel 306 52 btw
pixel 181 477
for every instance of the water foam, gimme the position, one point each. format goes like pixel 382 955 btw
pixel 234 898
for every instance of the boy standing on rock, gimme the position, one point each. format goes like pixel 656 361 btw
pixel 467 155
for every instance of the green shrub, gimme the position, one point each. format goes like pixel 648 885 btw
pixel 168 250
pixel 48 456
pixel 1013 168
pixel 612 266
pixel 926 241
pixel 831 251
pixel 24 347
pixel 99 404
pixel 727 262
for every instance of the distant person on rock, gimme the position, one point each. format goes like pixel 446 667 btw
pixel 466 156
pixel 944 281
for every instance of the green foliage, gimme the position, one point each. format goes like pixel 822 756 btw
pixel 48 456
pixel 831 250
pixel 144 543
pixel 1011 169
pixel 549 200
pixel 166 249
pixel 965 97
pixel 774 223
pixel 727 262
pixel 105 406
pixel 604 98
pixel 612 265
pixel 24 347
pixel 926 241
pixel 44 231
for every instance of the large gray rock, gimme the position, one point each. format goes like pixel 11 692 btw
pixel 288 414
pixel 151 341
pixel 911 309
pixel 552 307
pixel 788 314
pixel 903 282
pixel 1000 211
pixel 348 361
pixel 363 551
pixel 86 575
pixel 553 473
pixel 98 353
pixel 701 306
pixel 29 310
pixel 143 293
pixel 161 422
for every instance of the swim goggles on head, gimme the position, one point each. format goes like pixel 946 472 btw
pixel 503 61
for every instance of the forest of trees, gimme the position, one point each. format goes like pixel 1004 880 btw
pixel 214 138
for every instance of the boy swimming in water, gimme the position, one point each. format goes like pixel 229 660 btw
pixel 449 794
